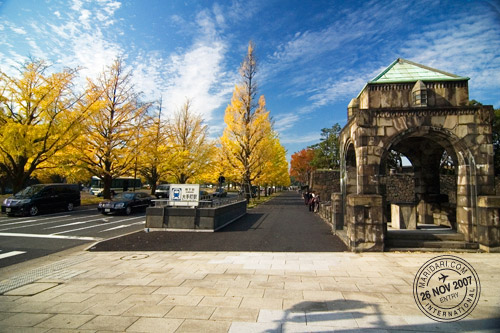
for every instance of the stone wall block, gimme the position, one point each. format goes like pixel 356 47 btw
pixel 437 121
pixel 400 124
pixel 451 122
pixel 382 121
pixel 465 119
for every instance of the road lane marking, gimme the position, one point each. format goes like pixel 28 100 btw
pixel 52 236
pixel 11 254
pixel 66 225
pixel 123 226
pixel 43 223
pixel 98 225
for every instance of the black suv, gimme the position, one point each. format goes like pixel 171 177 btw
pixel 162 191
pixel 43 197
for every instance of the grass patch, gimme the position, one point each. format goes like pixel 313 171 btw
pixel 254 202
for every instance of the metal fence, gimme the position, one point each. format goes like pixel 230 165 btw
pixel 215 202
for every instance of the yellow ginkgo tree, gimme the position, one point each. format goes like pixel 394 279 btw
pixel 247 140
pixel 189 155
pixel 112 132
pixel 40 115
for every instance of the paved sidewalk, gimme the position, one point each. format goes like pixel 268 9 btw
pixel 233 292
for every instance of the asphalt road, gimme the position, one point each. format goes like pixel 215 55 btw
pixel 283 224
pixel 26 238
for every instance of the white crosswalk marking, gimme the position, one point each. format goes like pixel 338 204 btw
pixel 11 254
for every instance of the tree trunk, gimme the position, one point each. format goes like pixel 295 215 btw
pixel 107 179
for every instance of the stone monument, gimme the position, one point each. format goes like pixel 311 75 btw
pixel 422 113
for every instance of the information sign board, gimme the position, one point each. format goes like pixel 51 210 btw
pixel 184 194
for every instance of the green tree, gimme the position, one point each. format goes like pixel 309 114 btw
pixel 327 152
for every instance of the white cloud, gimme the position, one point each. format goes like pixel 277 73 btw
pixel 18 30
pixel 196 73
pixel 468 48
pixel 301 138
pixel 286 121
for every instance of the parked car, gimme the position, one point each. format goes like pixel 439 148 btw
pixel 220 192
pixel 42 197
pixel 125 203
pixel 204 195
pixel 162 191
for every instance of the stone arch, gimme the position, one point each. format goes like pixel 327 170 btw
pixel 383 117
pixel 430 201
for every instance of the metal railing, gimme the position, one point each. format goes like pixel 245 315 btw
pixel 216 202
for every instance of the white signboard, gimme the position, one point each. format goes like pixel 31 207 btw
pixel 184 194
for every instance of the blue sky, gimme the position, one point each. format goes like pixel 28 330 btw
pixel 314 56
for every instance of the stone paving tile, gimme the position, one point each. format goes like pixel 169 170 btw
pixel 191 312
pixel 45 296
pixel 67 321
pixel 160 325
pixel 281 316
pixel 26 329
pixel 333 319
pixel 238 283
pixel 166 282
pixel 320 295
pixel 148 310
pixel 105 289
pixel 235 314
pixel 143 299
pixel 381 288
pixel 285 294
pixel 302 286
pixel 71 298
pixel 31 289
pixel 197 326
pixel 69 308
pixel 231 301
pixel 202 291
pixel 238 327
pixel 35 307
pixel 262 303
pixel 109 323
pixel 364 297
pixel 108 309
pixel 375 320
pixel 339 286
pixel 250 292
pixel 25 319
pixel 181 291
pixel 181 300
pixel 296 305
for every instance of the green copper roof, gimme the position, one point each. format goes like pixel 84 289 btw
pixel 403 70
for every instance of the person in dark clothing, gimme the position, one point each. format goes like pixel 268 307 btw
pixel 311 201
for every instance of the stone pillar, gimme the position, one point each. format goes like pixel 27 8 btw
pixel 337 212
pixel 365 222
pixel 403 216
pixel 489 223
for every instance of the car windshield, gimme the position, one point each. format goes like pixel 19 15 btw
pixel 29 191
pixel 126 196
pixel 163 187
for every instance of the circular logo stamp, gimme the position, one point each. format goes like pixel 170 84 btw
pixel 446 288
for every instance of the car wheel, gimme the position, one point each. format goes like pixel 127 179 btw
pixel 128 210
pixel 70 206
pixel 33 210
